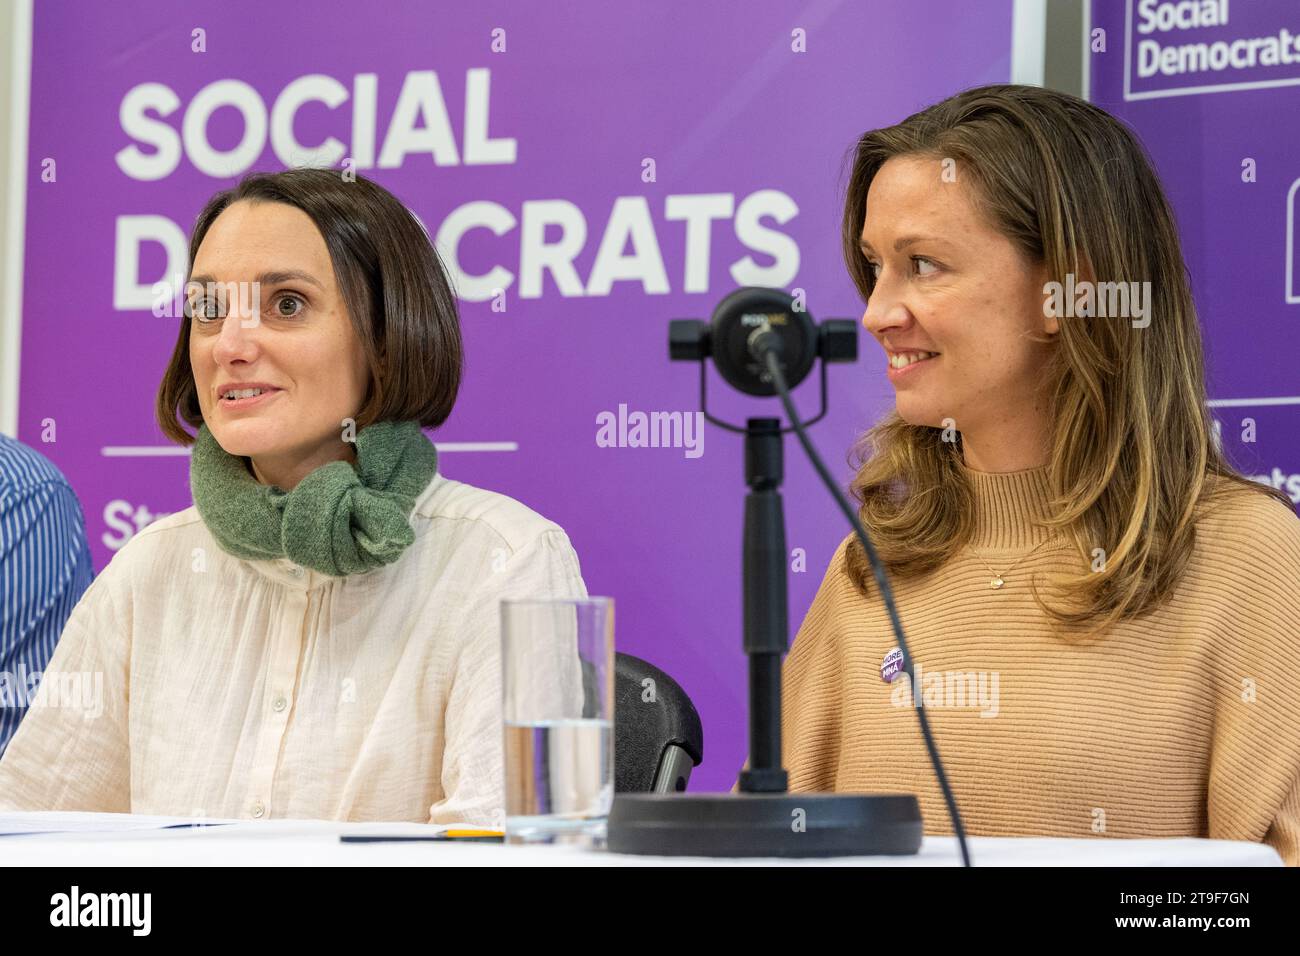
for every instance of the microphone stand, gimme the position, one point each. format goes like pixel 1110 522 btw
pixel 763 819
pixel 766 621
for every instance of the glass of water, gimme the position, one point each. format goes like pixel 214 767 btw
pixel 557 664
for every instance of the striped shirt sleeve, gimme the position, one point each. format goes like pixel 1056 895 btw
pixel 45 567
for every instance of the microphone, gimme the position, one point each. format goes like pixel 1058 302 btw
pixel 751 323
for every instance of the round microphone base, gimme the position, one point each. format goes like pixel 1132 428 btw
pixel 765 824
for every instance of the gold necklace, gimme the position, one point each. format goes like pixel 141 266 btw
pixel 1000 579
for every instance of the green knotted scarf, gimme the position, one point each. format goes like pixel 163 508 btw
pixel 340 519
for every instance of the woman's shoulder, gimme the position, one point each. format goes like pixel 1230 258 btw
pixel 1247 520
pixel 837 590
pixel 149 562
pixel 1248 543
pixel 478 510
pixel 159 543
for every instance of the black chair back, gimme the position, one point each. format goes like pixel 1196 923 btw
pixel 658 738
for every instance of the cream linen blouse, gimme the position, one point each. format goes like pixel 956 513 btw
pixel 190 682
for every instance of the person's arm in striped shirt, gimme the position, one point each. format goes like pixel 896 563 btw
pixel 45 568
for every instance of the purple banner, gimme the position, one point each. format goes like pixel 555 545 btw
pixel 589 172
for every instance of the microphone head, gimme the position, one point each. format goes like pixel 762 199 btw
pixel 734 322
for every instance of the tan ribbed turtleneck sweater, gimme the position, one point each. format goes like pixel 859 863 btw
pixel 1183 723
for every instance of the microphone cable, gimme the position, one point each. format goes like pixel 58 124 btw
pixel 766 341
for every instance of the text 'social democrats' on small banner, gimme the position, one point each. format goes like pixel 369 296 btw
pixel 1203 46
pixel 1208 86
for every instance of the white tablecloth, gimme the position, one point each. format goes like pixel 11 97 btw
pixel 109 839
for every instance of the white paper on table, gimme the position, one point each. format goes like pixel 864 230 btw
pixel 73 821
pixel 56 823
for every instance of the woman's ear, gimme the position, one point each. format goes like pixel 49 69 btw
pixel 1051 299
pixel 1055 293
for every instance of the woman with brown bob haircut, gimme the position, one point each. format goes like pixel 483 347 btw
pixel 318 637
pixel 1104 616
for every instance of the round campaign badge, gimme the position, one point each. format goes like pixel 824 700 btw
pixel 891 666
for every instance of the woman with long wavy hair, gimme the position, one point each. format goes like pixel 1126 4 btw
pixel 1104 615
